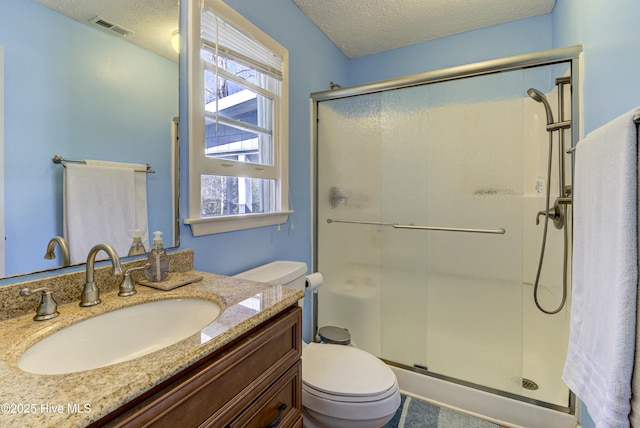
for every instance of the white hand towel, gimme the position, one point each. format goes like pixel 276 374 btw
pixel 99 208
pixel 140 182
pixel 603 309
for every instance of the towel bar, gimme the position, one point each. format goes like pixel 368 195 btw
pixel 636 119
pixel 59 160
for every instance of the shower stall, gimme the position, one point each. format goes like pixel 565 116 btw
pixel 432 198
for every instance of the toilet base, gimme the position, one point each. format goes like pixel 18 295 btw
pixel 319 412
pixel 311 419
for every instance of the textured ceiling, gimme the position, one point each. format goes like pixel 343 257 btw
pixel 364 27
pixel 151 21
pixel 356 27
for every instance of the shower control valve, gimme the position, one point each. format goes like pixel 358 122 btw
pixel 556 214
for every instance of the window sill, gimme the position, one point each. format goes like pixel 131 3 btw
pixel 212 225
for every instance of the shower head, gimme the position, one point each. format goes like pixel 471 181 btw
pixel 541 98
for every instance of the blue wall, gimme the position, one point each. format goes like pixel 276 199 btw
pixel 610 36
pixel 75 91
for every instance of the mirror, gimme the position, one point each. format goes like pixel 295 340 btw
pixel 92 79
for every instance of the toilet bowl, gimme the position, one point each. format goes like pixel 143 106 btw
pixel 342 386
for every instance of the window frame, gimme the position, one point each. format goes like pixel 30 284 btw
pixel 199 163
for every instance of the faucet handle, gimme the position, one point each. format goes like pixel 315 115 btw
pixel 48 307
pixel 555 213
pixel 126 286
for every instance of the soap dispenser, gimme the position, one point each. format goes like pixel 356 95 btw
pixel 158 260
pixel 137 247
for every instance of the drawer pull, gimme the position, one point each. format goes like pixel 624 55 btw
pixel 276 421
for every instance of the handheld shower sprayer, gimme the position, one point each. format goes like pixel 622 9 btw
pixel 541 98
pixel 558 212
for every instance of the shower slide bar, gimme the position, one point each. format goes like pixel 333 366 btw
pixel 500 231
pixel 59 160
pixel 636 119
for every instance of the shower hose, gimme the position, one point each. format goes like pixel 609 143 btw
pixel 544 243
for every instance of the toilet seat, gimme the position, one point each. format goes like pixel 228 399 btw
pixel 350 399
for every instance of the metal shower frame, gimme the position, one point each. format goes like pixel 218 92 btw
pixel 548 57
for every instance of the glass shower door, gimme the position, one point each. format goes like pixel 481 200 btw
pixel 447 154
pixel 474 280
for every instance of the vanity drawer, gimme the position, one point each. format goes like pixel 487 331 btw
pixel 220 389
pixel 287 392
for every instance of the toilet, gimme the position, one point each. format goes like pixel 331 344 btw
pixel 342 386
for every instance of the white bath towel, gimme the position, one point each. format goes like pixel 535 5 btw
pixel 605 275
pixel 99 207
pixel 140 189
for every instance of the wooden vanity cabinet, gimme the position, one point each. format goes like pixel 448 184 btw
pixel 255 381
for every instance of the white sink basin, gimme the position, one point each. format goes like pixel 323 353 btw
pixel 118 336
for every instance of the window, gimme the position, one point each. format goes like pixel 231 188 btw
pixel 238 115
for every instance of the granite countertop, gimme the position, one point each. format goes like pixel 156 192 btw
pixel 77 399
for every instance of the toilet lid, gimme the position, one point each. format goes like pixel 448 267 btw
pixel 344 370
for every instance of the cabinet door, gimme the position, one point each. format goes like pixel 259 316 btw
pixel 278 407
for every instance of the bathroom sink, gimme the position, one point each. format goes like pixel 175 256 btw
pixel 118 336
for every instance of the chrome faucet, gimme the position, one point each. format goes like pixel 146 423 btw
pixel 64 250
pixel 90 294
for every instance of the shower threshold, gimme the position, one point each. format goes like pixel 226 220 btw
pixel 501 407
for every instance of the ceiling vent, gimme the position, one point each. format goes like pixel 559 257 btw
pixel 103 24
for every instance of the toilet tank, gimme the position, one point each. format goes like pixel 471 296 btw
pixel 287 273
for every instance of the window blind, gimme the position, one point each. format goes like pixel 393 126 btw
pixel 217 33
